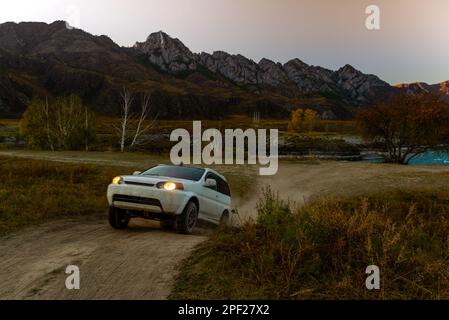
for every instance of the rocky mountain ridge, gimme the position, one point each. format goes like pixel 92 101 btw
pixel 48 60
pixel 441 88
pixel 173 56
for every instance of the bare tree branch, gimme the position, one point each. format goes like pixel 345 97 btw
pixel 127 100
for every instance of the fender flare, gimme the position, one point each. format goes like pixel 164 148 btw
pixel 189 197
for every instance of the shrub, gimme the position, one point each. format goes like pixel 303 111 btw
pixel 407 126
pixel 63 124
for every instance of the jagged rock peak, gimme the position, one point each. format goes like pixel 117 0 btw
pixel 297 63
pixel 168 53
pixel 347 68
pixel 272 73
pixel 235 67
pixel 441 88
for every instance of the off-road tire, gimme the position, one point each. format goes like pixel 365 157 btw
pixel 185 222
pixel 118 219
pixel 225 218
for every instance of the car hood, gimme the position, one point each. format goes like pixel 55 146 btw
pixel 152 180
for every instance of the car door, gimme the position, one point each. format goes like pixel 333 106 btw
pixel 223 200
pixel 209 198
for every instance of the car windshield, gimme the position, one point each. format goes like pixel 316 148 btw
pixel 178 172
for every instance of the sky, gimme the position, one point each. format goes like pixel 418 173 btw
pixel 411 45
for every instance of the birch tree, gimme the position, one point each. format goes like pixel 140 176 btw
pixel 144 115
pixel 134 126
pixel 127 100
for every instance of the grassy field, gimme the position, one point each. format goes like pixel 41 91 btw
pixel 321 250
pixel 34 191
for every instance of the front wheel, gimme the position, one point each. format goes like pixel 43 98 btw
pixel 186 221
pixel 118 219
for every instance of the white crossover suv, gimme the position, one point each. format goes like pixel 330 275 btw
pixel 175 195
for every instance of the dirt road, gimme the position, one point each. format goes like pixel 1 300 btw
pixel 138 263
pixel 302 181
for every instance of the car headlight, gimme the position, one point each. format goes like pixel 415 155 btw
pixel 170 186
pixel 117 180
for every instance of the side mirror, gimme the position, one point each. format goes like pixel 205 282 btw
pixel 210 183
pixel 136 173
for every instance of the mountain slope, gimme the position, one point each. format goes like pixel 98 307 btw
pixel 421 87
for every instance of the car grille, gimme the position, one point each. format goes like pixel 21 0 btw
pixel 139 200
pixel 140 183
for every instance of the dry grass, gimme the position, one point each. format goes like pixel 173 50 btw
pixel 35 191
pixel 238 121
pixel 321 251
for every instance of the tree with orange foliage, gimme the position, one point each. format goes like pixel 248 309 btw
pixel 302 120
pixel 296 120
pixel 309 119
pixel 407 126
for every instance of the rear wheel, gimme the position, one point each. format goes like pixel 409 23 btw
pixel 186 221
pixel 224 221
pixel 118 219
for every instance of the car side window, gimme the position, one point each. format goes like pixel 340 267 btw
pixel 223 187
pixel 213 177
pixel 227 190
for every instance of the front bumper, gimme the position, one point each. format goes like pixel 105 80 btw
pixel 147 199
